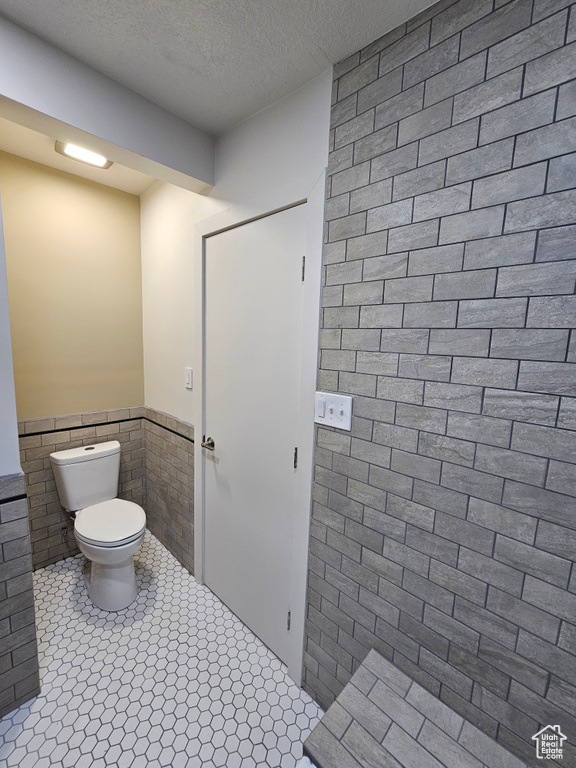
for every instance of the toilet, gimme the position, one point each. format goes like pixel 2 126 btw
pixel 109 531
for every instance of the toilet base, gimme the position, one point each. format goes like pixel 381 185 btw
pixel 112 587
pixel 111 580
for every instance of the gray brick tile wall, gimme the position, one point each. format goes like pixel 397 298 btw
pixel 444 531
pixel 19 675
pixel 383 718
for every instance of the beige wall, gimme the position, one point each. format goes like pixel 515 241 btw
pixel 74 289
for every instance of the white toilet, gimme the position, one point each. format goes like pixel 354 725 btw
pixel 109 531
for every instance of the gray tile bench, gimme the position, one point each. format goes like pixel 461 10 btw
pixel 384 719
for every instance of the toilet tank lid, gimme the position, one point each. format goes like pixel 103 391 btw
pixel 86 453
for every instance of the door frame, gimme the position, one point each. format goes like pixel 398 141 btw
pixel 230 219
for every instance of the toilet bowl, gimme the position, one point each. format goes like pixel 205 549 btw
pixel 109 534
pixel 108 530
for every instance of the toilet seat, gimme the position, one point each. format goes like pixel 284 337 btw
pixel 111 523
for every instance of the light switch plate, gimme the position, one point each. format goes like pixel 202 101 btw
pixel 334 410
pixel 188 378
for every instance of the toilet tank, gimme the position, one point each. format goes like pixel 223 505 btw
pixel 87 475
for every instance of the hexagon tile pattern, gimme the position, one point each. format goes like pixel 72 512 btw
pixel 174 680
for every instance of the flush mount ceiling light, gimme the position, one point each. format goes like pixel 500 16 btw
pixel 83 155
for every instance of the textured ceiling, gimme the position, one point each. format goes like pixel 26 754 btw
pixel 213 62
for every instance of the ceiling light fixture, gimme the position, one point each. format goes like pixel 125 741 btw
pixel 83 155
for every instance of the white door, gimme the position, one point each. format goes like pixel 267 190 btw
pixel 253 348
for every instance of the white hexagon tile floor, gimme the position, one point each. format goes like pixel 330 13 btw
pixel 174 680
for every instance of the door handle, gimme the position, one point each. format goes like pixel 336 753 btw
pixel 208 443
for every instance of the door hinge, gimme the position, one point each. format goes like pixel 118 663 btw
pixel 303 267
pixel 289 620
pixel 295 457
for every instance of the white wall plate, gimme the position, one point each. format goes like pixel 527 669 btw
pixel 335 410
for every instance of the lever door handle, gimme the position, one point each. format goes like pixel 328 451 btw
pixel 208 443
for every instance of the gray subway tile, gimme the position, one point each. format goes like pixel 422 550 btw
pixel 476 163
pixel 511 464
pixel 458 16
pixel 500 251
pixel 366 246
pixel 350 178
pixel 492 313
pixel 527 45
pixel 544 142
pixel 518 117
pixel 348 226
pixel 381 316
pixel 398 107
pixel 458 78
pixel 445 258
pixel 562 478
pixel 389 164
pixel 386 267
pixel 484 373
pixel 509 662
pixel 442 202
pixel 425 122
pixel 446 449
pixel 455 631
pixel 529 344
pixel 391 215
pixel 472 284
pixel 544 279
pixel 428 367
pixel 374 195
pixel 556 244
pixel 521 406
pixel 430 419
pixel 553 68
pixel 480 484
pixel 405 340
pixel 497 518
pixel 562 172
pixel 464 533
pixel 489 30
pixel 556 539
pixel 376 144
pixel 510 185
pixel 459 138
pixel 423 234
pixel 357 78
pixel 431 62
pixel 490 626
pixel 551 378
pixel 362 294
pixel 403 50
pixel 430 314
pixel 474 225
pixel 566 101
pixel 384 364
pixel 479 670
pixel 488 96
pixel 459 341
pixel 440 498
pixel 379 90
pixel 544 441
pixel 456 397
pixel 527 559
pixel 539 502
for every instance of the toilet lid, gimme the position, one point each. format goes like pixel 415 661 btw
pixel 110 521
